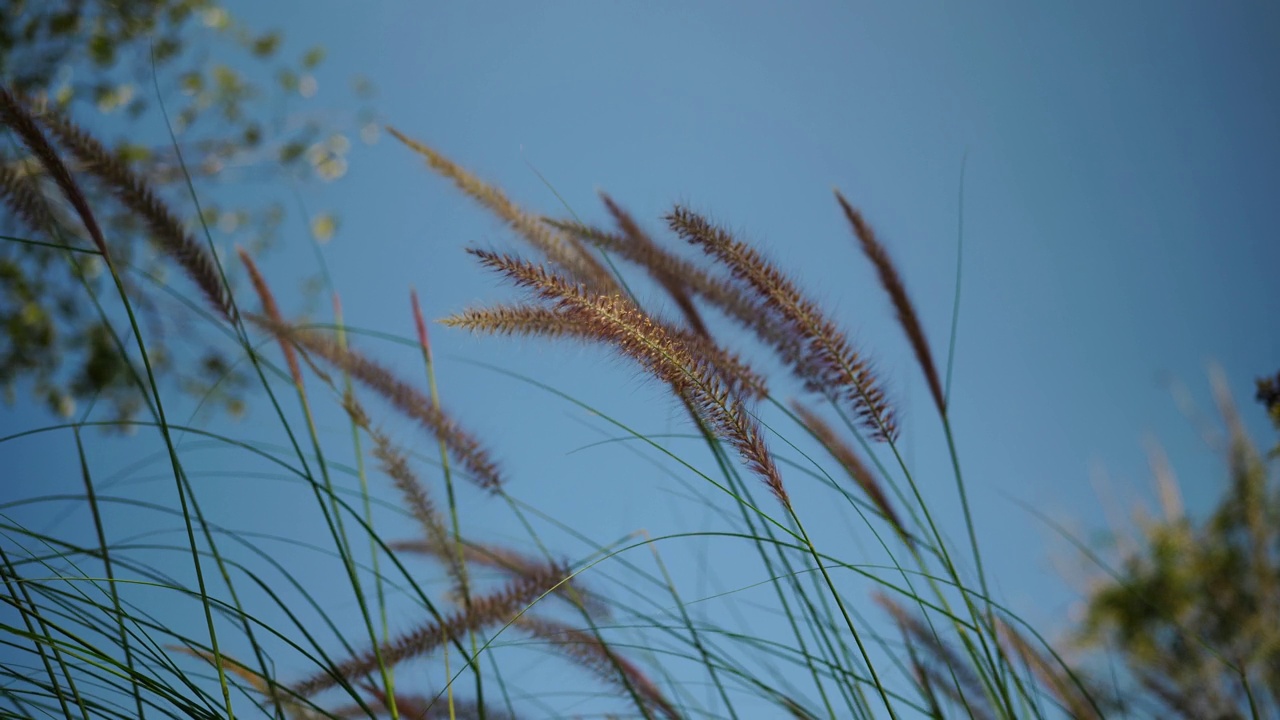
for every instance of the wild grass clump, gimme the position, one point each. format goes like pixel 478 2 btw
pixel 83 643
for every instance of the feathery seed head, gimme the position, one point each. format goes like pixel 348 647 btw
pixel 497 608
pixel 272 311
pixel 663 352
pixel 897 291
pixel 403 396
pixel 565 251
pixel 853 465
pixel 818 352
pixel 18 118
pixel 135 194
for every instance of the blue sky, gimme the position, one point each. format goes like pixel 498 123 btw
pixel 1120 169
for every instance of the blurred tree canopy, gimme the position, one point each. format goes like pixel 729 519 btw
pixel 1194 611
pixel 241 113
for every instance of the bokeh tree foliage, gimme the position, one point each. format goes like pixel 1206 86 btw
pixel 1194 609
pixel 242 113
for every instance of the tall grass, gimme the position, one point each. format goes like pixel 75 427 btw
pixel 99 623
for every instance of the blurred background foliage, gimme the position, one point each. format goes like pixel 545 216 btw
pixel 1190 614
pixel 243 114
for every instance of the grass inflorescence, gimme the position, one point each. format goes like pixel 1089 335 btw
pixel 934 642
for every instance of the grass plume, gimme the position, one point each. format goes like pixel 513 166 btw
pixel 616 322
pixel 902 305
pixel 18 118
pixel 560 249
pixel 849 459
pixel 665 266
pixel 404 397
pixel 272 310
pixel 497 608
pixel 136 194
pixel 588 651
pixel 672 282
pixel 21 193
pixel 948 670
pixel 823 356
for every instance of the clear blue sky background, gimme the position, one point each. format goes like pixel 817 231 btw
pixel 1121 169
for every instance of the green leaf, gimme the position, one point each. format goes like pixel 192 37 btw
pixel 102 50
pixel 64 23
pixel 166 49
pixel 266 45
pixel 226 79
pixel 132 152
pixel 191 82
pixel 313 57
pixel 292 151
pixel 252 135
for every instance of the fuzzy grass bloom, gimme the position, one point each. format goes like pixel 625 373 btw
pixel 565 251
pixel 738 303
pixel 853 465
pixel 18 118
pixel 21 193
pixel 617 322
pixel 413 492
pixel 497 608
pixel 671 282
pixel 555 323
pixel 515 320
pixel 945 669
pixel 404 397
pixel 588 651
pixel 817 350
pixel 136 195
pixel 272 311
pixel 511 562
pixel 893 284
pixel 1067 689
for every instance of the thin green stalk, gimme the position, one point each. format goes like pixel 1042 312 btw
pixel 344 549
pixel 951 355
pixel 789 572
pixel 977 556
pixel 943 555
pixel 337 530
pixel 40 638
pixel 460 560
pixel 835 594
pixel 162 424
pixel 106 563
pixel 348 389
pixel 695 638
pixel 955 304
pixel 632 692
